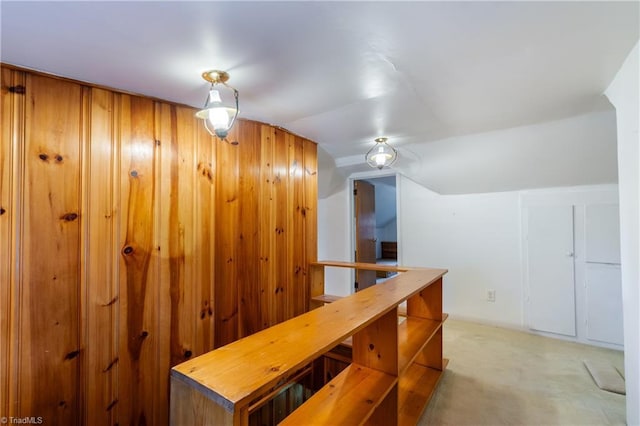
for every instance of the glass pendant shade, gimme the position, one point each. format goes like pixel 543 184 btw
pixel 218 117
pixel 381 155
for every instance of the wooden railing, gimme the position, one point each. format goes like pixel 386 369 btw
pixel 389 360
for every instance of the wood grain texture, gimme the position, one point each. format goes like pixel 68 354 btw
pixel 138 364
pixel 365 223
pixel 315 279
pixel 386 413
pixel 267 224
pixel 242 369
pixel 412 335
pixel 199 411
pixel 248 281
pixel 419 348
pixel 431 355
pixel 11 177
pixel 99 301
pixel 49 305
pixel 132 240
pixel 295 290
pixel 415 391
pixel 226 237
pixel 202 256
pixel 355 394
pixel 279 281
pixel 310 211
pixel 425 305
pixel 376 346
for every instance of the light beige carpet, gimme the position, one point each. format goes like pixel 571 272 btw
pixel 504 377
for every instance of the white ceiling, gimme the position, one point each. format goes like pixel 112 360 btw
pixel 342 73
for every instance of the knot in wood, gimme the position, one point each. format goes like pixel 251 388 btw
pixel 127 250
pixel 20 90
pixel 72 355
pixel 69 217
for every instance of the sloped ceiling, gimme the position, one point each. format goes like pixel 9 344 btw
pixel 424 74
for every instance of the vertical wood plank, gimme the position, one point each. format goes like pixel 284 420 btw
pixel 227 262
pixel 11 178
pixel 376 346
pixel 315 279
pixel 249 223
pixel 48 364
pixel 427 303
pixel 6 212
pixel 267 225
pixel 145 237
pixel 100 300
pixel 138 285
pixel 281 277
pixel 310 213
pixel 190 407
pixel 170 242
pixel 386 414
pixel 295 228
pixel 203 255
pixel 431 355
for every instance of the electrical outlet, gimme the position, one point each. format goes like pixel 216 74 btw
pixel 491 295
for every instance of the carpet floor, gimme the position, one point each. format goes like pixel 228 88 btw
pixel 498 376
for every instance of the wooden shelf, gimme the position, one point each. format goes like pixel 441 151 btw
pixel 366 266
pixel 355 393
pixel 415 389
pixel 225 382
pixel 326 298
pixel 413 335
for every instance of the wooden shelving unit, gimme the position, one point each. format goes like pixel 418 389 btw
pixel 394 369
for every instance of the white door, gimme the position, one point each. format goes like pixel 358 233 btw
pixel 604 303
pixel 603 283
pixel 550 266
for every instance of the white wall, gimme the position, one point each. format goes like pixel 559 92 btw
pixel 624 94
pixel 334 242
pixel 477 238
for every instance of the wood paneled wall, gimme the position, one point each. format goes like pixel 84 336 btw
pixel 131 240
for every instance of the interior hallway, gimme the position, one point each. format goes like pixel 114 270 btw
pixel 505 377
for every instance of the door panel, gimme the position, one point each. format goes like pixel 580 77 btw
pixel 551 269
pixel 602 233
pixel 604 303
pixel 365 202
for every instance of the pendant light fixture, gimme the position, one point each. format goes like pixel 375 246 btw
pixel 381 155
pixel 219 115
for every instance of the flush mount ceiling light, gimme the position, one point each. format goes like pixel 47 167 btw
pixel 219 115
pixel 381 155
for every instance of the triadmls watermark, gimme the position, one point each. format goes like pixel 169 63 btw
pixel 27 420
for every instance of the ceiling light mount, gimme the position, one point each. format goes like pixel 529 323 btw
pixel 216 76
pixel 381 155
pixel 219 112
